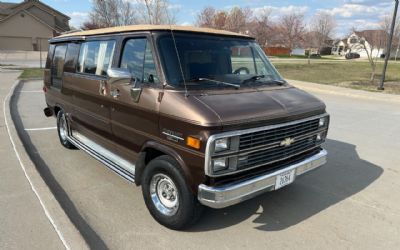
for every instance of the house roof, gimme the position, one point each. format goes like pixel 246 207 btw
pixel 130 28
pixel 14 9
pixel 6 8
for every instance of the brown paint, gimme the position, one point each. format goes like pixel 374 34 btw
pixel 128 128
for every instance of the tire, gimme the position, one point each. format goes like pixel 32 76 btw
pixel 62 129
pixel 167 195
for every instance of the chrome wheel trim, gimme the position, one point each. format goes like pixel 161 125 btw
pixel 63 128
pixel 164 194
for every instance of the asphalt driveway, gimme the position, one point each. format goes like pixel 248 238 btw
pixel 352 202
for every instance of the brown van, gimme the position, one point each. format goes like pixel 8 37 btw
pixel 197 117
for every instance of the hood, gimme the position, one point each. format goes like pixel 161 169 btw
pixel 260 105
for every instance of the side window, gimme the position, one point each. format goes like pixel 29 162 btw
pixel 50 56
pixel 150 72
pixel 71 57
pixel 57 68
pixel 137 57
pixel 95 57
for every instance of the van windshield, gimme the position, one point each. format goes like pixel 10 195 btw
pixel 209 61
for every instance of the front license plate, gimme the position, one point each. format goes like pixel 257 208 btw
pixel 285 179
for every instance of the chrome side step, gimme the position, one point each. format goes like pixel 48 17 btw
pixel 117 164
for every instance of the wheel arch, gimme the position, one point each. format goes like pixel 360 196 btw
pixel 152 150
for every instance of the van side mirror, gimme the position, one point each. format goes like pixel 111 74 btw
pixel 118 75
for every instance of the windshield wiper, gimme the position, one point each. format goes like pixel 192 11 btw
pixel 201 79
pixel 258 77
pixel 253 79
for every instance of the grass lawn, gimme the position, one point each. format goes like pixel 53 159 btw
pixel 31 73
pixel 346 74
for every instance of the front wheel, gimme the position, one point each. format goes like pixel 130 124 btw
pixel 167 196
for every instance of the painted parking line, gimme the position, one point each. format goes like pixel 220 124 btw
pixel 31 91
pixel 40 129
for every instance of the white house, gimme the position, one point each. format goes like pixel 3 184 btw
pixel 365 42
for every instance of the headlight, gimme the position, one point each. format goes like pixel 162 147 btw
pixel 323 121
pixel 221 144
pixel 220 164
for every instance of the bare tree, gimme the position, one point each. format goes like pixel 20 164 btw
pixel 238 19
pixel 155 12
pixel 206 17
pixel 220 20
pixel 293 29
pixel 385 24
pixel 322 28
pixel 108 13
pixel 261 26
pixel 372 42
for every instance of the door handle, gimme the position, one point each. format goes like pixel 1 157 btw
pixel 115 93
pixel 102 88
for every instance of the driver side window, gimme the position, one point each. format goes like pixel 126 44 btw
pixel 137 57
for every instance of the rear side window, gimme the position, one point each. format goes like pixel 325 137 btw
pixel 95 57
pixel 50 56
pixel 57 68
pixel 72 57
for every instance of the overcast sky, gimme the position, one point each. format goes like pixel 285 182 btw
pixel 362 14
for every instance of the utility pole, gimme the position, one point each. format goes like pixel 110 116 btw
pixel 389 46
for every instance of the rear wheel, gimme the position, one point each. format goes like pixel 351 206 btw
pixel 167 196
pixel 62 128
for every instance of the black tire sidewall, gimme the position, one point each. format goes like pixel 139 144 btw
pixel 65 142
pixel 187 201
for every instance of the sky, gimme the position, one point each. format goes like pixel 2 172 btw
pixel 361 14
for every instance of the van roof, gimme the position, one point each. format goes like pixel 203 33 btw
pixel 132 28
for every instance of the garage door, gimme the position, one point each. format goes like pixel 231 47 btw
pixel 15 43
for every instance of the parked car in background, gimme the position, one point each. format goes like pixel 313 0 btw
pixel 352 55
pixel 197 117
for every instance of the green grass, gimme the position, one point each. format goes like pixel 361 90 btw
pixel 347 74
pixel 32 73
pixel 303 57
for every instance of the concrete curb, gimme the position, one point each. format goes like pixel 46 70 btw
pixel 67 232
pixel 347 92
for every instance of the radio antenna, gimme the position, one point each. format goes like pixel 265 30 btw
pixel 177 53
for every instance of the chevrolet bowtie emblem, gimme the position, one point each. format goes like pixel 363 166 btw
pixel 287 142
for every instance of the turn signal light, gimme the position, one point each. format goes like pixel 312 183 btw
pixel 193 142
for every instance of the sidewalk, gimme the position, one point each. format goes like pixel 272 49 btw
pixel 354 93
pixel 30 217
pixel 28 59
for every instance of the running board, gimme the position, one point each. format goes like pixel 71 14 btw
pixel 120 166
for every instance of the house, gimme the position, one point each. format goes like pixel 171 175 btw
pixel 29 25
pixel 367 42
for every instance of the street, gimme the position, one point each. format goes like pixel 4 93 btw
pixel 352 202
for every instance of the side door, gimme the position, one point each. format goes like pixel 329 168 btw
pixel 134 112
pixel 91 116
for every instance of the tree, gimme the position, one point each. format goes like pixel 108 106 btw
pixel 110 13
pixel 238 19
pixel 372 42
pixel 220 20
pixel 385 24
pixel 156 12
pixel 293 29
pixel 206 17
pixel 322 27
pixel 261 26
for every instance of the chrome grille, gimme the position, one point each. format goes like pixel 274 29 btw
pixel 252 140
pixel 277 153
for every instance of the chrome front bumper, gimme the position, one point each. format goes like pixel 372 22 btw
pixel 230 194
